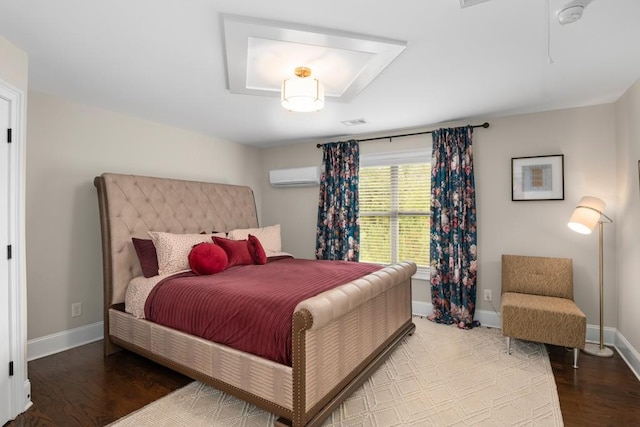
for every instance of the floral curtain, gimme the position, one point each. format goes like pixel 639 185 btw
pixel 453 228
pixel 338 231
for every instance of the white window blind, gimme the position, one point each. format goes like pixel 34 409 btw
pixel 394 208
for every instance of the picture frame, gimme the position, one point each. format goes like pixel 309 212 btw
pixel 537 178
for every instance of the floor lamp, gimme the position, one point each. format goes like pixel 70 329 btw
pixel 588 213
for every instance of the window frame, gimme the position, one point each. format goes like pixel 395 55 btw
pixel 398 158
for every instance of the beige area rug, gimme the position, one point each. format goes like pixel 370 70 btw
pixel 440 376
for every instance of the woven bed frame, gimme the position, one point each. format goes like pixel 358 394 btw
pixel 339 337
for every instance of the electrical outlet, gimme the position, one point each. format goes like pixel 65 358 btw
pixel 487 295
pixel 76 309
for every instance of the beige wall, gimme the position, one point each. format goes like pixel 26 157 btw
pixel 585 137
pixel 628 218
pixel 69 144
pixel 13 65
pixel 529 228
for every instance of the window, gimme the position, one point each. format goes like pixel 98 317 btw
pixel 395 193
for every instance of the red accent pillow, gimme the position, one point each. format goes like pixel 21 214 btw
pixel 147 255
pixel 207 258
pixel 237 250
pixel 257 251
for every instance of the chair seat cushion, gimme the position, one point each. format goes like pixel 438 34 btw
pixel 550 320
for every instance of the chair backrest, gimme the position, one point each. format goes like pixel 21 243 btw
pixel 538 275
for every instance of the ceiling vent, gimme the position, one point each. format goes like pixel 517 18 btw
pixel 467 3
pixel 354 122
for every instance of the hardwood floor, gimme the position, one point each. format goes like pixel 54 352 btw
pixel 80 387
pixel 601 392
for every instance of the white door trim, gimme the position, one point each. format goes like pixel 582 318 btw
pixel 19 382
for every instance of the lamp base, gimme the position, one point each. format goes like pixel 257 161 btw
pixel 595 350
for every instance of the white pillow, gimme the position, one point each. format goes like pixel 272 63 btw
pixel 173 249
pixel 269 236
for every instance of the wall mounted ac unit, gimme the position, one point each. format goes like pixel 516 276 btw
pixel 295 177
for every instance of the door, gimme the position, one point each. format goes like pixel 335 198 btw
pixel 5 309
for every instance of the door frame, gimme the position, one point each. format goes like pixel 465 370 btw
pixel 20 396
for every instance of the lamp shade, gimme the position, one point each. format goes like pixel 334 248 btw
pixel 302 93
pixel 587 214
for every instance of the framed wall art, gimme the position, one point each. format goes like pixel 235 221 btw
pixel 537 178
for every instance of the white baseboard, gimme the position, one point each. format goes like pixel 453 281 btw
pixel 65 340
pixel 61 341
pixel 421 308
pixel 628 353
pixel 609 334
pixel 26 386
pixel 486 318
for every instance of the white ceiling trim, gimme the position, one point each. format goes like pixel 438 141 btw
pixel 260 54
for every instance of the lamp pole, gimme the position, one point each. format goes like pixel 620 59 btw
pixel 601 282
pixel 589 348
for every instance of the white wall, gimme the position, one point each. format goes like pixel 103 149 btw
pixel 70 144
pixel 628 218
pixel 584 135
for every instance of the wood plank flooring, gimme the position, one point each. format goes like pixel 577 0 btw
pixel 80 387
pixel 601 392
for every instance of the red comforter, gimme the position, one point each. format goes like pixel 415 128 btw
pixel 248 307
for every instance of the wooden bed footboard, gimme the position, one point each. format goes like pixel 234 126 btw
pixel 330 361
pixel 331 358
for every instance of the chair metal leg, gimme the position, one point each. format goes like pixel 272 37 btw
pixel 508 345
pixel 576 351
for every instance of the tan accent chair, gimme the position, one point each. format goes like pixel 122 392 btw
pixel 537 302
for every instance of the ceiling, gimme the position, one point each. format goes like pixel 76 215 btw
pixel 165 60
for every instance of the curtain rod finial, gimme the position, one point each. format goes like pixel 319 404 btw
pixel 485 125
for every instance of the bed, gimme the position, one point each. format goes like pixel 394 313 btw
pixel 338 337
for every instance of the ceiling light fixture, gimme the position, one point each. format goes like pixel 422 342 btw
pixel 302 93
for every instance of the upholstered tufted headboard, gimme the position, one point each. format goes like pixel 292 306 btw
pixel 131 205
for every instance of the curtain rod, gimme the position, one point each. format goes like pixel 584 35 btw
pixel 484 125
